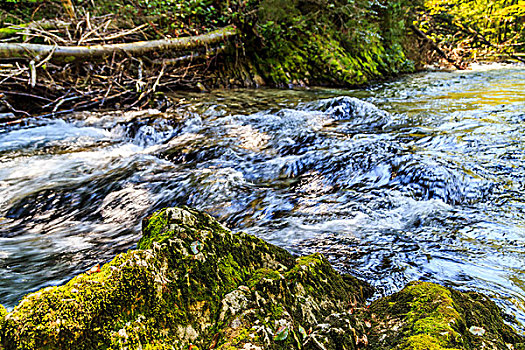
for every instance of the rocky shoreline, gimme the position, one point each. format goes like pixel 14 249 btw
pixel 193 284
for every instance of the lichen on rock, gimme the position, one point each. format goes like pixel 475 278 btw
pixel 193 284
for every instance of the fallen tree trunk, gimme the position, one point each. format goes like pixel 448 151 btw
pixel 21 28
pixel 71 53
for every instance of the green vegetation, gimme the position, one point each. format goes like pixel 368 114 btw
pixel 291 42
pixel 283 43
pixel 330 42
pixel 475 29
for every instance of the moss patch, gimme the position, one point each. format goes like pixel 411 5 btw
pixel 429 316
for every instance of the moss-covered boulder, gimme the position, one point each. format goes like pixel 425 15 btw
pixel 193 284
pixel 428 316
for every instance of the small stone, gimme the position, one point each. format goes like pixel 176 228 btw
pixel 244 289
pixel 201 87
pixel 477 331
pixel 4 116
pixel 122 333
pixel 259 81
pixel 236 323
pixel 302 331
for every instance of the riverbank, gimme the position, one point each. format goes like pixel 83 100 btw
pixel 276 43
pixel 193 284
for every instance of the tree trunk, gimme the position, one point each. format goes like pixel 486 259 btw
pixel 436 47
pixel 71 53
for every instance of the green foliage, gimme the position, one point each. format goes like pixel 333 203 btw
pixel 476 23
pixel 287 42
pixel 342 42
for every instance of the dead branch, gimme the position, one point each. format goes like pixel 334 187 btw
pixel 481 38
pixel 38 25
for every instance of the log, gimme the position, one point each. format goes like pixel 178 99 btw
pixel 194 56
pixel 71 53
pixel 21 28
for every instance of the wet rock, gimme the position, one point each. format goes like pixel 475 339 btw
pixel 230 290
pixel 428 316
pixel 193 284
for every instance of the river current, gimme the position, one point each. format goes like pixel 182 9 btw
pixel 422 178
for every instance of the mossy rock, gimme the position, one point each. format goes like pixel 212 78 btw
pixel 429 316
pixel 3 313
pixel 191 282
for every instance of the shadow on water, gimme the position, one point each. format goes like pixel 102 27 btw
pixel 420 178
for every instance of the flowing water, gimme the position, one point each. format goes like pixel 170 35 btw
pixel 422 178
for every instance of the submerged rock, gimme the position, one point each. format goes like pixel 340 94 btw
pixel 193 284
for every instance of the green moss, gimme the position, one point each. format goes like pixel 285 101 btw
pixel 154 229
pixel 421 342
pixel 426 315
pixel 261 274
pixel 330 43
pixel 3 313
pixel 432 312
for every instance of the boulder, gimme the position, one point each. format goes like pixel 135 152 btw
pixel 190 284
pixel 428 316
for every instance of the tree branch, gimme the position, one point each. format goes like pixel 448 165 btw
pixel 71 53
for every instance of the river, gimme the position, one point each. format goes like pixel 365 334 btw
pixel 422 178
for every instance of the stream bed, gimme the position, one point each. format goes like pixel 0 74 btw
pixel 422 178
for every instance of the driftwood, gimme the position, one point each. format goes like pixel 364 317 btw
pixel 436 48
pixel 71 53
